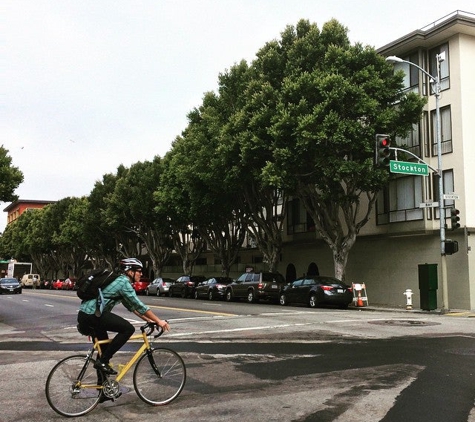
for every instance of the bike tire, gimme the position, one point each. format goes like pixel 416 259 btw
pixel 161 389
pixel 65 391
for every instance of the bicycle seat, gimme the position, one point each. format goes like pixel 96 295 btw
pixel 85 330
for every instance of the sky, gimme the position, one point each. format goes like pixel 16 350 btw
pixel 88 85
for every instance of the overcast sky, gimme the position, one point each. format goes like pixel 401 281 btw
pixel 92 84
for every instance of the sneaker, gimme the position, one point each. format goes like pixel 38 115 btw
pixel 104 367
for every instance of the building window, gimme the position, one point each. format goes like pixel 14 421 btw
pixel 401 200
pixel 444 65
pixel 448 180
pixel 412 142
pixel 298 219
pixel 445 129
pixel 411 73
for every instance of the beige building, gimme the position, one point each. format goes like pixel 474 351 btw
pixel 401 235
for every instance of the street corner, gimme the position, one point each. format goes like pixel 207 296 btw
pixel 464 314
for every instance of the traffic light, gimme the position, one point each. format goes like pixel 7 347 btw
pixel 382 150
pixel 454 218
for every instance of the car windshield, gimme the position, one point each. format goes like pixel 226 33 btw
pixel 8 280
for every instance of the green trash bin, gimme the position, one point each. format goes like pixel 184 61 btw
pixel 428 286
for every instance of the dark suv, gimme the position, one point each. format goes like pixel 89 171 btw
pixel 255 286
pixel 184 286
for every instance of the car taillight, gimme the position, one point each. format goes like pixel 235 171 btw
pixel 350 289
pixel 261 285
pixel 327 287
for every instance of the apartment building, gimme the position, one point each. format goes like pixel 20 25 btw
pixel 402 234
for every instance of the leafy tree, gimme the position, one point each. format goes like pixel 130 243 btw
pixel 213 204
pixel 133 206
pixel 106 238
pixel 333 99
pixel 10 177
pixel 173 201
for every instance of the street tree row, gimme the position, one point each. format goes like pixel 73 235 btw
pixel 299 121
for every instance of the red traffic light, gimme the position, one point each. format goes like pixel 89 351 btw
pixel 384 142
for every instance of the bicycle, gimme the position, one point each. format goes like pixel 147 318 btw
pixel 74 387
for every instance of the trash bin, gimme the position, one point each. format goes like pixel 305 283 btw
pixel 428 286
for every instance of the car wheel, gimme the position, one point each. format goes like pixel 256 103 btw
pixel 158 292
pixel 183 294
pixel 251 297
pixel 147 293
pixel 229 296
pixel 312 301
pixel 283 299
pixel 210 295
pixel 196 294
pixel 344 306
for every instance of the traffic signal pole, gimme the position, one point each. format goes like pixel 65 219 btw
pixel 436 85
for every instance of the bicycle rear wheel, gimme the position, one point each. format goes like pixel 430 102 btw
pixel 162 384
pixel 72 386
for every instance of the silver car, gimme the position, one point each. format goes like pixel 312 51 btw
pixel 159 287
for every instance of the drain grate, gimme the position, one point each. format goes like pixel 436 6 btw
pixel 404 323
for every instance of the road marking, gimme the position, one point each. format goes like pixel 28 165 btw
pixel 192 310
pixel 233 330
pixel 49 306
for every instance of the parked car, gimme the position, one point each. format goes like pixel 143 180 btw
pixel 184 286
pixel 57 284
pixel 68 284
pixel 10 285
pixel 256 285
pixel 214 288
pixel 141 286
pixel 316 291
pixel 31 280
pixel 159 287
pixel 45 284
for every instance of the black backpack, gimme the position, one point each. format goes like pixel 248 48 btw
pixel 89 284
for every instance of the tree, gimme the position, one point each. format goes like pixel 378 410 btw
pixel 10 177
pixel 333 99
pixel 133 206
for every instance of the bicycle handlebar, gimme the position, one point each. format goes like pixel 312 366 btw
pixel 151 326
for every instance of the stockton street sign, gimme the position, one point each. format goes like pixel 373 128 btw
pixel 405 167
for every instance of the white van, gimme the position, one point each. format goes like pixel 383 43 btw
pixel 30 280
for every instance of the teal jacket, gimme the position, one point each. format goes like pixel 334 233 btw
pixel 119 291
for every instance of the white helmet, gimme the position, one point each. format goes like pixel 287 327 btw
pixel 127 264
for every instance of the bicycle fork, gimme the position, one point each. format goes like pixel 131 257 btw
pixel 152 363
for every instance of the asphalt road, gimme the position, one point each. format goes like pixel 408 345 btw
pixel 259 362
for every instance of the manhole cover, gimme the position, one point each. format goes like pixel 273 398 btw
pixel 404 323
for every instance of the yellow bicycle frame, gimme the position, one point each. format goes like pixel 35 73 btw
pixel 130 363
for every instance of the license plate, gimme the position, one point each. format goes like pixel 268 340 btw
pixel 340 291
pixel 275 286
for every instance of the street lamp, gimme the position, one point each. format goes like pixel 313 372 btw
pixel 435 80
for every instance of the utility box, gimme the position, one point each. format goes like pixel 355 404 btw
pixel 428 285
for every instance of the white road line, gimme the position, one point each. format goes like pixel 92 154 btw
pixel 232 330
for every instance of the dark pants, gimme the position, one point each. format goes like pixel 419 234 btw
pixel 101 325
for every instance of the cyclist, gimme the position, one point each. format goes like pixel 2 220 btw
pixel 119 290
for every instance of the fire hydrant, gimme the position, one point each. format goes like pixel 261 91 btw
pixel 408 293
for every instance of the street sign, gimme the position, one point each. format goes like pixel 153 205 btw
pixel 451 196
pixel 405 167
pixel 428 204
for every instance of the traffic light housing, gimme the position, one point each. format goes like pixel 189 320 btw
pixel 382 150
pixel 454 218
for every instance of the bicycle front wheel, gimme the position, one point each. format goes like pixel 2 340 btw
pixel 159 376
pixel 73 386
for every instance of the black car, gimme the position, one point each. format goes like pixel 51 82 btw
pixel 214 288
pixel 316 291
pixel 9 285
pixel 184 286
pixel 254 286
